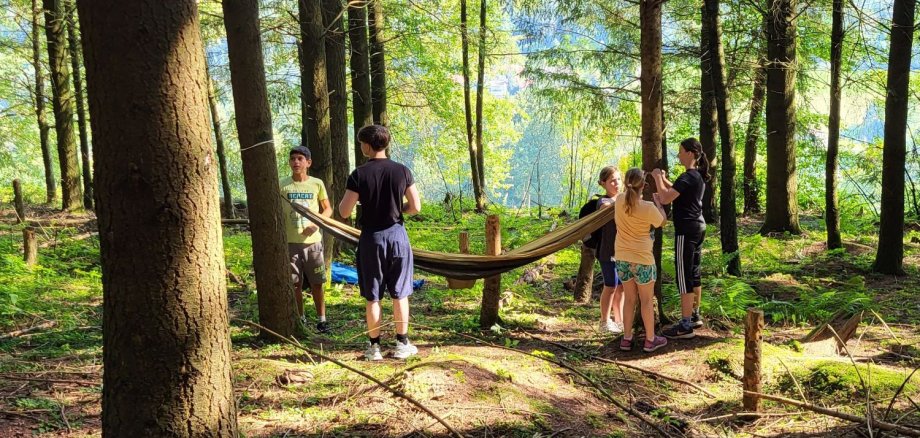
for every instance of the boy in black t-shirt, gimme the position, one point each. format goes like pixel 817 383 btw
pixel 384 257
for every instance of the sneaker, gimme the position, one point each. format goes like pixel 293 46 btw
pixel 403 351
pixel 677 331
pixel 611 327
pixel 626 344
pixel 373 352
pixel 322 327
pixel 695 320
pixel 654 344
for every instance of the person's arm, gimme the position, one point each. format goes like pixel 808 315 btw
pixel 663 216
pixel 325 209
pixel 666 192
pixel 348 203
pixel 414 204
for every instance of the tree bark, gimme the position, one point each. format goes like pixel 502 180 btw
pixel 751 188
pixel 277 310
pixel 74 45
pixel 43 128
pixel 63 103
pixel 480 79
pixel 728 211
pixel 584 282
pixel 360 74
pixel 227 207
pixel 782 208
pixel 468 111
pixel 709 119
pixel 890 256
pixel 491 289
pixel 338 100
pixel 831 212
pixel 166 343
pixel 315 90
pixel 652 106
pixel 376 25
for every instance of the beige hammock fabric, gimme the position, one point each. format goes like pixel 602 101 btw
pixel 472 266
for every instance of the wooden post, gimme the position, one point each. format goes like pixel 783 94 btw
pixel 18 202
pixel 454 283
pixel 29 246
pixel 753 339
pixel 584 282
pixel 491 291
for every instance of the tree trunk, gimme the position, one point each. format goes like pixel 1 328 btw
pixel 480 78
pixel 378 62
pixel 338 100
pixel 890 256
pixel 831 213
pixel 584 282
pixel 652 103
pixel 468 111
pixel 166 343
pixel 709 119
pixel 782 209
pixel 43 128
pixel 227 207
pixel 491 288
pixel 74 46
pixel 728 212
pixel 277 310
pixel 63 103
pixel 751 188
pixel 360 74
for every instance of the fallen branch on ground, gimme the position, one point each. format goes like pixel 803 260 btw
pixel 625 365
pixel 62 381
pixel 837 414
pixel 737 415
pixel 395 392
pixel 15 333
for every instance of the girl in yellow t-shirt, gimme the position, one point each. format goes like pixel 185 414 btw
pixel 635 262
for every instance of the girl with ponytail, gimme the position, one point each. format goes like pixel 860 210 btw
pixel 686 193
pixel 635 263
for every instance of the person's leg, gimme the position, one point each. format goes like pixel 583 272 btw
pixel 401 315
pixel 697 278
pixel 683 265
pixel 606 301
pixel 295 252
pixel 316 275
pixel 319 301
pixel 616 304
pixel 646 293
pixel 372 316
pixel 629 308
pixel 398 275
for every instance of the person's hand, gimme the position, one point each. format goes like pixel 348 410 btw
pixel 657 173
pixel 309 230
pixel 656 198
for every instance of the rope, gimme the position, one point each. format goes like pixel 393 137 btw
pixel 257 144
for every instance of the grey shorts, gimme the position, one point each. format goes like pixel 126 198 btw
pixel 307 264
pixel 385 264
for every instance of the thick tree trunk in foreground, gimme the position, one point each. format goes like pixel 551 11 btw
pixel 584 281
pixel 315 90
pixel 376 25
pixel 277 310
pixel 782 207
pixel 890 256
pixel 166 344
pixel 43 128
pixel 709 119
pixel 728 212
pixel 63 104
pixel 831 213
pixel 338 100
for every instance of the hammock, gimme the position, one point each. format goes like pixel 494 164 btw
pixel 473 266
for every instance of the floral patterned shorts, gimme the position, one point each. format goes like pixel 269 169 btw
pixel 643 274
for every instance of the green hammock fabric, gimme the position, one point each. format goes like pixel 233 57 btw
pixel 472 266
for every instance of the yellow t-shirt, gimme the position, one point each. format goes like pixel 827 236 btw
pixel 634 241
pixel 308 193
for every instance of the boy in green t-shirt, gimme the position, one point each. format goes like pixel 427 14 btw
pixel 305 242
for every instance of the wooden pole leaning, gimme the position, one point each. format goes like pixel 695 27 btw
pixel 753 347
pixel 491 290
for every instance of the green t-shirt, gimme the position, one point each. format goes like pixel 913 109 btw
pixel 308 193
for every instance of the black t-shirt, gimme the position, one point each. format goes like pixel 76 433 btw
pixel 688 207
pixel 380 184
pixel 608 235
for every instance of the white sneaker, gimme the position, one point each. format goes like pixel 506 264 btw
pixel 373 352
pixel 403 351
pixel 611 327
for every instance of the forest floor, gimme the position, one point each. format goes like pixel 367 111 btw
pixel 516 380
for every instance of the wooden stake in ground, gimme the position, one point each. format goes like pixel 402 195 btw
pixel 464 249
pixel 18 202
pixel 29 246
pixel 491 291
pixel 753 340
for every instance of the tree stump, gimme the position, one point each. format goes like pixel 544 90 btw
pixel 753 339
pixel 18 202
pixel 29 246
pixel 491 291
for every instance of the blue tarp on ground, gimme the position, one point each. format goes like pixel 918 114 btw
pixel 349 275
